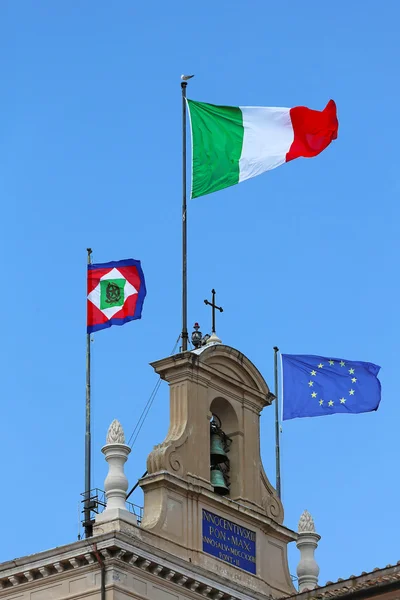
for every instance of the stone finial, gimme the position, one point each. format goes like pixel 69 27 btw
pixel 116 453
pixel 115 433
pixel 307 543
pixel 306 523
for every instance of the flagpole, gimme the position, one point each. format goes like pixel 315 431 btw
pixel 87 522
pixel 184 223
pixel 277 436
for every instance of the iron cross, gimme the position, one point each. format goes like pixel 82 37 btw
pixel 213 306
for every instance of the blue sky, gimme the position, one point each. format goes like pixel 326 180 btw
pixel 304 257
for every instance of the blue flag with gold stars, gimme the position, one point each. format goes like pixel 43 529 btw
pixel 314 386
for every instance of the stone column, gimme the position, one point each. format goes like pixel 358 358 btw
pixel 307 542
pixel 116 483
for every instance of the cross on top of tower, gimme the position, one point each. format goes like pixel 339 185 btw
pixel 214 308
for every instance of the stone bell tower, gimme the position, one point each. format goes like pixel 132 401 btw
pixel 240 535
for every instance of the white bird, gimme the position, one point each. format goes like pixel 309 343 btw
pixel 186 77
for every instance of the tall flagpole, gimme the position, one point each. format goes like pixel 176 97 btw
pixel 184 334
pixel 277 436
pixel 87 523
pixel 184 223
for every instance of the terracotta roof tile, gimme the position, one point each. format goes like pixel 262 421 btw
pixel 389 575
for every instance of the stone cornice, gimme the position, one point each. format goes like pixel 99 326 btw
pixel 178 572
pixel 116 548
pixel 45 565
pixel 254 405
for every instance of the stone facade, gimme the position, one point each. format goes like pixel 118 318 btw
pixel 217 380
pixel 132 569
pixel 192 543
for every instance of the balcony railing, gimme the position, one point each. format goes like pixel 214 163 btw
pixel 97 503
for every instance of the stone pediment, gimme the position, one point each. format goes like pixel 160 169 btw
pixel 228 361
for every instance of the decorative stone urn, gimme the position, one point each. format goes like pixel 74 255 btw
pixel 116 453
pixel 307 542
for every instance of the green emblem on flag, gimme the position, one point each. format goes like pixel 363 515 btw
pixel 112 293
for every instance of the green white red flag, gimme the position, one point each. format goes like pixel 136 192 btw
pixel 231 144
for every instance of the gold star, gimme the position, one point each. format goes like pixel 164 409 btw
pixel 320 366
pixel 310 383
pixel 353 379
pixel 342 363
pixel 342 400
pixel 321 402
pixel 330 403
pixel 331 362
pixel 351 371
pixel 313 372
pixel 314 395
pixel 351 392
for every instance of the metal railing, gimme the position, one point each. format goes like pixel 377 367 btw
pixel 97 503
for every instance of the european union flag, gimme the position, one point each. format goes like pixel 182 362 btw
pixel 314 386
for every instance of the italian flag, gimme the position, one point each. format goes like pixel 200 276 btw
pixel 231 144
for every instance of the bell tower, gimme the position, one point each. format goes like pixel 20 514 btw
pixel 206 491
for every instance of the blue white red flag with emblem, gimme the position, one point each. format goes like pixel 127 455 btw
pixel 116 291
pixel 315 386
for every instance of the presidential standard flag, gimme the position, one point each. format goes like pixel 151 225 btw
pixel 315 386
pixel 231 144
pixel 116 291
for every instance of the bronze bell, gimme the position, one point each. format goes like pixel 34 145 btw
pixel 218 454
pixel 218 482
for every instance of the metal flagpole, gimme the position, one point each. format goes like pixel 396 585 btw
pixel 184 334
pixel 277 436
pixel 87 523
pixel 184 223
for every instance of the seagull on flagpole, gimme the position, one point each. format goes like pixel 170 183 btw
pixel 186 77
